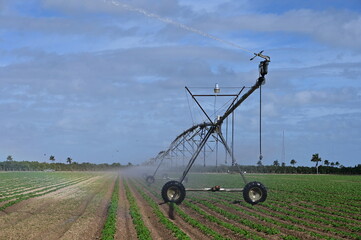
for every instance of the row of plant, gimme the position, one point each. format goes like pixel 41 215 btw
pixel 186 217
pixel 143 232
pixel 209 217
pixel 308 220
pixel 290 216
pixel 176 231
pixel 193 205
pixel 220 222
pixel 325 218
pixel 267 216
pixel 305 189
pixel 33 194
pixel 349 214
pixel 109 228
pixel 37 189
pixel 236 217
pixel 298 203
pixel 223 201
pixel 14 181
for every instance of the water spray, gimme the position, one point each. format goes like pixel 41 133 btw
pixel 177 24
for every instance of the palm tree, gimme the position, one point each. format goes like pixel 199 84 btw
pixel 9 158
pixel 332 164
pixel 337 164
pixel 316 158
pixel 69 160
pixel 276 163
pixel 326 162
pixel 52 158
pixel 293 162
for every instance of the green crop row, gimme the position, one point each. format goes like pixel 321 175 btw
pixel 40 189
pixel 195 223
pixel 225 200
pixel 143 232
pixel 34 194
pixel 246 222
pixel 177 232
pixel 324 218
pixel 216 220
pixel 313 221
pixel 299 203
pixel 109 228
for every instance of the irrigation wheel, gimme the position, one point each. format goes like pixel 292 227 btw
pixel 150 179
pixel 173 192
pixel 254 192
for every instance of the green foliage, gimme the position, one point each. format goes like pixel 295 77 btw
pixel 20 186
pixel 297 205
pixel 109 228
pixel 41 166
pixel 142 231
pixel 197 224
pixel 177 232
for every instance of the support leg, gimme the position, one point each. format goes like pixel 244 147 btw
pixel 196 153
pixel 230 153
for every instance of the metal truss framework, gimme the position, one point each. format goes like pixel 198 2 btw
pixel 194 139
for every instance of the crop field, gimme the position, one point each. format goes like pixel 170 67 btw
pixel 87 205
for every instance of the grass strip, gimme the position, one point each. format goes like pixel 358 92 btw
pixel 109 228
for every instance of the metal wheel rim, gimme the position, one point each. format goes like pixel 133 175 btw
pixel 173 193
pixel 255 194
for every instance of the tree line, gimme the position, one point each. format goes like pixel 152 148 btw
pixel 70 166
pixel 275 169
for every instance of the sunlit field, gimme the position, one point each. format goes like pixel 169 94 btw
pixel 85 205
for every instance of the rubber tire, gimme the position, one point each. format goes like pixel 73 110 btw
pixel 150 179
pixel 176 187
pixel 254 192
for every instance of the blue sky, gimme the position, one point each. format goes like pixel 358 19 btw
pixel 99 81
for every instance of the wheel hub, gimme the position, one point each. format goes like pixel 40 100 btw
pixel 255 194
pixel 173 193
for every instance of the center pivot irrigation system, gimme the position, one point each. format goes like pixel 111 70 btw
pixel 194 140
